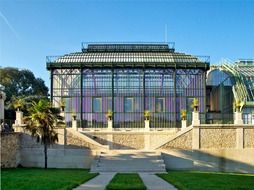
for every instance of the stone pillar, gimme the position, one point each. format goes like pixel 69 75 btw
pixel 110 125
pixel 110 141
pixel 195 137
pixel 19 118
pixel 147 125
pixel 74 124
pixel 184 124
pixel 239 138
pixel 62 113
pixel 18 128
pixel 195 118
pixel 238 118
pixel 2 99
pixel 147 142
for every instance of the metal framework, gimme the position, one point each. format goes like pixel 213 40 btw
pixel 128 79
pixel 229 82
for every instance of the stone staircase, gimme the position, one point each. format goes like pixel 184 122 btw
pixel 129 161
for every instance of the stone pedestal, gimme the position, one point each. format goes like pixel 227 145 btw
pixel 195 118
pixel 110 125
pixel 18 128
pixel 62 113
pixel 195 138
pixel 239 138
pixel 110 141
pixel 184 124
pixel 238 118
pixel 74 124
pixel 147 142
pixel 19 118
pixel 147 125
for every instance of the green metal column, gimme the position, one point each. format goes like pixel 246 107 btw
pixel 174 76
pixel 221 101
pixel 51 85
pixel 144 94
pixel 112 99
pixel 204 95
pixel 81 97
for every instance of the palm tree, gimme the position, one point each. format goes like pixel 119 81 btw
pixel 41 121
pixel 109 115
pixel 195 104
pixel 147 114
pixel 183 114
pixel 238 104
pixel 18 103
pixel 62 104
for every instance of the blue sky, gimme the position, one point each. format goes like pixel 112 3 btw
pixel 31 30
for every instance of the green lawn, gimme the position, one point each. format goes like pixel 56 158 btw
pixel 195 180
pixel 123 181
pixel 40 179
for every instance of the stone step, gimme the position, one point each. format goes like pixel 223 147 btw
pixel 129 161
pixel 124 170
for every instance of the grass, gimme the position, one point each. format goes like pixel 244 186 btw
pixel 195 180
pixel 122 181
pixel 41 179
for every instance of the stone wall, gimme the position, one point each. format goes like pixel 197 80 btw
pixel 226 160
pixel 73 141
pixel 120 140
pixel 128 141
pixel 103 139
pixel 10 150
pixel 183 141
pixel 57 157
pixel 249 138
pixel 70 152
pixel 60 155
pixel 217 138
pixel 212 147
pixel 158 138
pixel 213 136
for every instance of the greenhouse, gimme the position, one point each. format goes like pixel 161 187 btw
pixel 127 80
pixel 227 83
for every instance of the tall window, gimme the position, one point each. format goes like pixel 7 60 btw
pixel 128 104
pixel 160 105
pixel 97 105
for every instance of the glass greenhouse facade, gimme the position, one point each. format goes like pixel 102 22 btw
pixel 227 83
pixel 128 79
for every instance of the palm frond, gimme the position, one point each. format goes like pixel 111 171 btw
pixel 42 121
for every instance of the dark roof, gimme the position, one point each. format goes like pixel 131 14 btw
pixel 127 55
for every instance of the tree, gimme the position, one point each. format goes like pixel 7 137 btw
pixel 18 103
pixel 238 104
pixel 195 104
pixel 21 83
pixel 41 121
pixel 183 114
